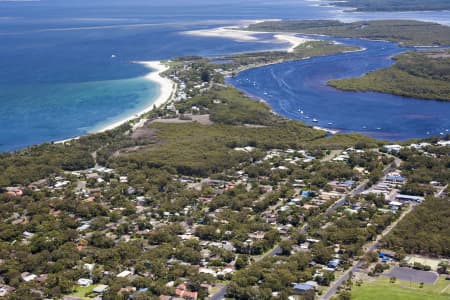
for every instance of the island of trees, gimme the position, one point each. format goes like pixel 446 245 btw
pixel 423 74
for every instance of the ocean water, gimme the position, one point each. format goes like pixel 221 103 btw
pixel 57 75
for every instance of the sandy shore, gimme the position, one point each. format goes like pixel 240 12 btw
pixel 332 131
pixel 295 41
pixel 240 35
pixel 227 33
pixel 166 90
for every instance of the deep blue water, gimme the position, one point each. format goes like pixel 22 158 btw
pixel 298 86
pixel 57 77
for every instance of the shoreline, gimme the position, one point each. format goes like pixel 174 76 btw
pixel 167 89
pixel 239 34
pixel 292 39
pixel 257 98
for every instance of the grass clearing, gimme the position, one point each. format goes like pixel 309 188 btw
pixel 382 288
pixel 82 291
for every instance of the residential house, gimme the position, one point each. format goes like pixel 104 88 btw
pixel 182 292
pixel 302 288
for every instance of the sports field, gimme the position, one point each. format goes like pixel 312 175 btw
pixel 381 288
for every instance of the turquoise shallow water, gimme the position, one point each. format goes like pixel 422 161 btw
pixel 72 107
pixel 57 77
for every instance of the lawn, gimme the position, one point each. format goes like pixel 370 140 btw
pixel 82 291
pixel 381 288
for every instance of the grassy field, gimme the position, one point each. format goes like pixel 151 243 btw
pixel 81 291
pixel 401 290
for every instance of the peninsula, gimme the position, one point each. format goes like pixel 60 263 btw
pixel 393 5
pixel 408 33
pixel 424 74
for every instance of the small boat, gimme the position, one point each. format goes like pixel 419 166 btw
pixel 301 112
pixel 378 128
pixel 315 120
pixel 428 133
pixel 364 127
pixel 329 123
pixel 306 117
pixel 113 56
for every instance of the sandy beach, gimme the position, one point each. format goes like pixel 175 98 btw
pixel 166 90
pixel 237 34
pixel 295 41
pixel 227 33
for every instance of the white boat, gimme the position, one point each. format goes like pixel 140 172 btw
pixel 113 56
pixel 315 120
pixel 329 123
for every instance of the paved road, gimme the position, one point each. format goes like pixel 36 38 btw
pixel 358 190
pixel 356 265
pixel 441 192
pixel 220 294
pixel 371 247
pixel 333 289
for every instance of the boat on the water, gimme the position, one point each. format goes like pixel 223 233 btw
pixel 315 120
